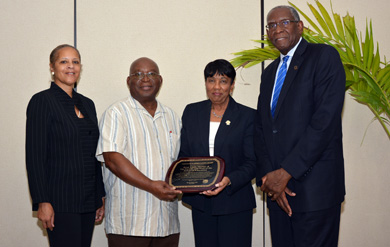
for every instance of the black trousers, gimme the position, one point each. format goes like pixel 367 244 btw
pixel 229 230
pixel 308 229
pixel 115 240
pixel 71 229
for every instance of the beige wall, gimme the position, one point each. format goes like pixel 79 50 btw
pixel 182 37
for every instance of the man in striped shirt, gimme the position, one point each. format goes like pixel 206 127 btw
pixel 139 139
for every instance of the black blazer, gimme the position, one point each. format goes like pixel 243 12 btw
pixel 54 157
pixel 305 135
pixel 234 143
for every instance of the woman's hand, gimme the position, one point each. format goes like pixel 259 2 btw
pixel 100 212
pixel 46 215
pixel 219 187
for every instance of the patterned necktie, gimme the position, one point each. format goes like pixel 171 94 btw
pixel 279 84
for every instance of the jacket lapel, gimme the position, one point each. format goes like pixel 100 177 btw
pixel 63 102
pixel 293 69
pixel 228 122
pixel 89 112
pixel 204 127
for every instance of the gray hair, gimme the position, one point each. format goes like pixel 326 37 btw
pixel 293 11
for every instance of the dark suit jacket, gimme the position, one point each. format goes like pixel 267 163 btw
pixel 234 143
pixel 54 157
pixel 305 135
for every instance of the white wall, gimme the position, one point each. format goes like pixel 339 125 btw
pixel 29 30
pixel 182 37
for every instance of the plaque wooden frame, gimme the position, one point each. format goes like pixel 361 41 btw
pixel 195 174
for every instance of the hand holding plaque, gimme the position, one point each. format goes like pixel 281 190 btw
pixel 195 174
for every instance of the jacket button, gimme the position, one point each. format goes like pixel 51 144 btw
pixel 274 131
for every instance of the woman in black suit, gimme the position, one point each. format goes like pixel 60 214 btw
pixel 221 127
pixel 64 177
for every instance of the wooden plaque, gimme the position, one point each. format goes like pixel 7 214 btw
pixel 196 174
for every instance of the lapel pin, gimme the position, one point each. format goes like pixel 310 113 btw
pixel 227 122
pixel 295 67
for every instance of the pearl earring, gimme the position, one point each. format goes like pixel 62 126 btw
pixel 52 73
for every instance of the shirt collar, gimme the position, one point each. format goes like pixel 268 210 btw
pixel 61 94
pixel 135 104
pixel 291 52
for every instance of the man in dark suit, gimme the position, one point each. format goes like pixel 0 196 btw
pixel 298 137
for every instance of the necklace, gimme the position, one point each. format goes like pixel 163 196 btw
pixel 215 114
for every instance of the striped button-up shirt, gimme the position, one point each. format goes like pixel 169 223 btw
pixel 151 144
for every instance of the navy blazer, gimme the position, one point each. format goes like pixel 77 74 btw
pixel 305 135
pixel 54 157
pixel 234 143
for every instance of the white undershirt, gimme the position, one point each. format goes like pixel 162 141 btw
pixel 213 132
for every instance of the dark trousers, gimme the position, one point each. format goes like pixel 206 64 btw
pixel 72 230
pixel 222 230
pixel 318 228
pixel 115 240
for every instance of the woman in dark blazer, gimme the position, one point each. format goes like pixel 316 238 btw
pixel 64 177
pixel 221 127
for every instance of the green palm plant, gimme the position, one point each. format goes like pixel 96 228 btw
pixel 367 77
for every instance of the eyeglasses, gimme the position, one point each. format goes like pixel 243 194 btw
pixel 140 75
pixel 282 24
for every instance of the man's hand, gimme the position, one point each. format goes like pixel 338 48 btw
pixel 283 202
pixel 100 212
pixel 219 187
pixel 46 215
pixel 164 191
pixel 275 186
pixel 125 170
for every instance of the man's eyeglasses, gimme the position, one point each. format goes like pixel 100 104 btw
pixel 282 24
pixel 140 75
